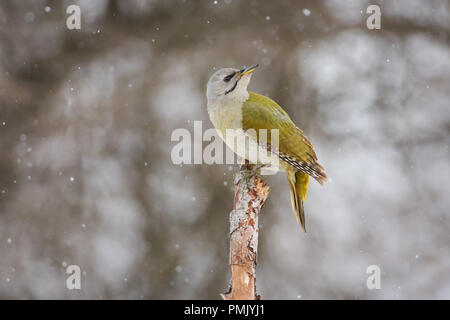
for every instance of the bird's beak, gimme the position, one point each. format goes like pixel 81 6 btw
pixel 248 70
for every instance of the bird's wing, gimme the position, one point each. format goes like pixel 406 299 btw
pixel 260 112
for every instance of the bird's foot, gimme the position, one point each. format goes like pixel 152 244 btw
pixel 248 171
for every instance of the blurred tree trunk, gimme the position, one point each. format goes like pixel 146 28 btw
pixel 250 194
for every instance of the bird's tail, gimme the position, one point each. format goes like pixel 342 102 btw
pixel 316 171
pixel 298 184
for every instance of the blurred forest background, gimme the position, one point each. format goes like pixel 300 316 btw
pixel 86 118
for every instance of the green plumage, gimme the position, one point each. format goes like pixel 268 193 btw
pixel 295 151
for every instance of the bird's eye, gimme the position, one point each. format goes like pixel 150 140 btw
pixel 228 78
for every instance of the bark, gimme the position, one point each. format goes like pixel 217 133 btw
pixel 250 194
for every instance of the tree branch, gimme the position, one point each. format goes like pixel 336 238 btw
pixel 250 194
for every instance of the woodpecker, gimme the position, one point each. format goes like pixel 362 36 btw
pixel 232 107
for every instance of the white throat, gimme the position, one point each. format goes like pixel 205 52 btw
pixel 236 97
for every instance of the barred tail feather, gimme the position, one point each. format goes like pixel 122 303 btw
pixel 319 173
pixel 310 166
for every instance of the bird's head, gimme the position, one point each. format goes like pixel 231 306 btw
pixel 229 82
